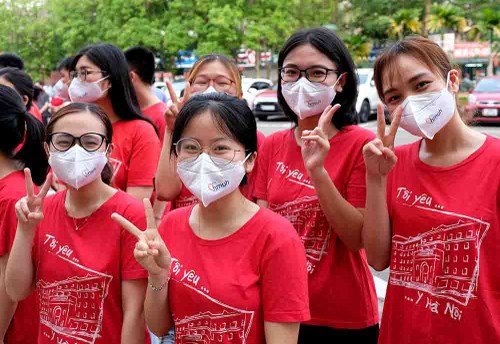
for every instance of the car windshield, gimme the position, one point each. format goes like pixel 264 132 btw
pixel 362 78
pixel 488 85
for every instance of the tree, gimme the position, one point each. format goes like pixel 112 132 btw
pixel 447 16
pixel 404 22
pixel 487 27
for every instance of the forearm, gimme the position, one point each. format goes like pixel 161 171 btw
pixel 133 328
pixel 156 307
pixel 167 182
pixel 7 306
pixel 344 218
pixel 281 333
pixel 376 231
pixel 20 272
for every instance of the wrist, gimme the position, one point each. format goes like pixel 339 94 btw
pixel 375 179
pixel 317 173
pixel 158 281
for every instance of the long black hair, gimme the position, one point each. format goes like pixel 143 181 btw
pixel 22 83
pixel 16 125
pixel 329 44
pixel 232 115
pixel 111 60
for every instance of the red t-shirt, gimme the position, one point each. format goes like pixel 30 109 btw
pixel 156 113
pixel 444 285
pixel 35 112
pixel 79 273
pixel 341 288
pixel 222 291
pixel 186 198
pixel 23 328
pixel 135 154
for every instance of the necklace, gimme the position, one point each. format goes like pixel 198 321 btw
pixel 77 226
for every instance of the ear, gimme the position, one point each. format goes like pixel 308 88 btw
pixel 133 76
pixel 341 82
pixel 25 100
pixel 250 163
pixel 111 147
pixel 46 147
pixel 454 82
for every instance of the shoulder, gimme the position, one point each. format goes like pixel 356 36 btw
pixel 356 134
pixel 126 204
pixel 405 151
pixel 278 138
pixel 493 147
pixel 275 227
pixel 175 219
pixel 12 187
pixel 135 126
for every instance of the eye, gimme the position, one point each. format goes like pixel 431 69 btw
pixel 220 148
pixel 422 84
pixel 290 72
pixel 318 72
pixel 392 99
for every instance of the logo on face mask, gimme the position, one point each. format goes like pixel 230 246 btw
pixel 432 118
pixel 312 103
pixel 87 173
pixel 217 186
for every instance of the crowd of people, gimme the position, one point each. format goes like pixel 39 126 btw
pixel 125 219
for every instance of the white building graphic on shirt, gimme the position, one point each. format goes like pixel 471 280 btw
pixel 229 325
pixel 443 261
pixel 307 217
pixel 74 307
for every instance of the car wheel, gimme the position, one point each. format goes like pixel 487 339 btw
pixel 262 117
pixel 364 111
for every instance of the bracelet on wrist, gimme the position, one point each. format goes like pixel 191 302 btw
pixel 155 288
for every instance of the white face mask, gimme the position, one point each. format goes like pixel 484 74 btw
pixel 210 89
pixel 77 167
pixel 209 182
pixel 85 92
pixel 307 99
pixel 61 90
pixel 426 114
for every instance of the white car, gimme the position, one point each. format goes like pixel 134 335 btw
pixel 367 95
pixel 251 86
pixel 178 87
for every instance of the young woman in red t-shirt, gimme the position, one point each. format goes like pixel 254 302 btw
pixel 90 288
pixel 211 73
pixel 233 272
pixel 100 75
pixel 314 175
pixel 18 321
pixel 432 209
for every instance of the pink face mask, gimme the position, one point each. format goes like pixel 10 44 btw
pixel 85 92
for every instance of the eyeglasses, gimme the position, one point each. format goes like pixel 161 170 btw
pixel 82 74
pixel 313 74
pixel 62 142
pixel 221 83
pixel 221 152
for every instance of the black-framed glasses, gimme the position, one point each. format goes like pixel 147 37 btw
pixel 221 152
pixel 313 74
pixel 82 74
pixel 62 142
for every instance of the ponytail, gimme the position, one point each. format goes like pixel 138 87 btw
pixel 15 125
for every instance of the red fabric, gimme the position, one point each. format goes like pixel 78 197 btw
pixel 186 198
pixel 23 328
pixel 341 288
pixel 225 289
pixel 35 112
pixel 136 150
pixel 156 113
pixel 444 285
pixel 79 273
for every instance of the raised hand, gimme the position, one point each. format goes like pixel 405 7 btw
pixel 379 154
pixel 29 209
pixel 150 250
pixel 175 105
pixel 315 143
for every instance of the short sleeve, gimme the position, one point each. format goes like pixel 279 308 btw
pixel 284 282
pixel 262 177
pixel 130 268
pixel 356 186
pixel 8 225
pixel 144 156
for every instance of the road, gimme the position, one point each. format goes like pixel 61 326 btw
pixel 403 137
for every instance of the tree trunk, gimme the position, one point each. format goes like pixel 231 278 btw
pixel 269 66
pixel 425 19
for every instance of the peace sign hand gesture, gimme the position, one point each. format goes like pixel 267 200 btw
pixel 315 143
pixel 150 250
pixel 379 154
pixel 176 104
pixel 29 209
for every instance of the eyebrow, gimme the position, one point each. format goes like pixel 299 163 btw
pixel 313 66
pixel 412 79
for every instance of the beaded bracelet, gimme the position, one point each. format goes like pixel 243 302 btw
pixel 155 288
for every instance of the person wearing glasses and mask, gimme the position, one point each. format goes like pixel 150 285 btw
pixel 223 270
pixel 314 175
pixel 89 286
pixel 210 74
pixel 100 75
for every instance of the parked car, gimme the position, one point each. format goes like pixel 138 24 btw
pixel 265 104
pixel 251 87
pixel 484 100
pixel 178 87
pixel 368 99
